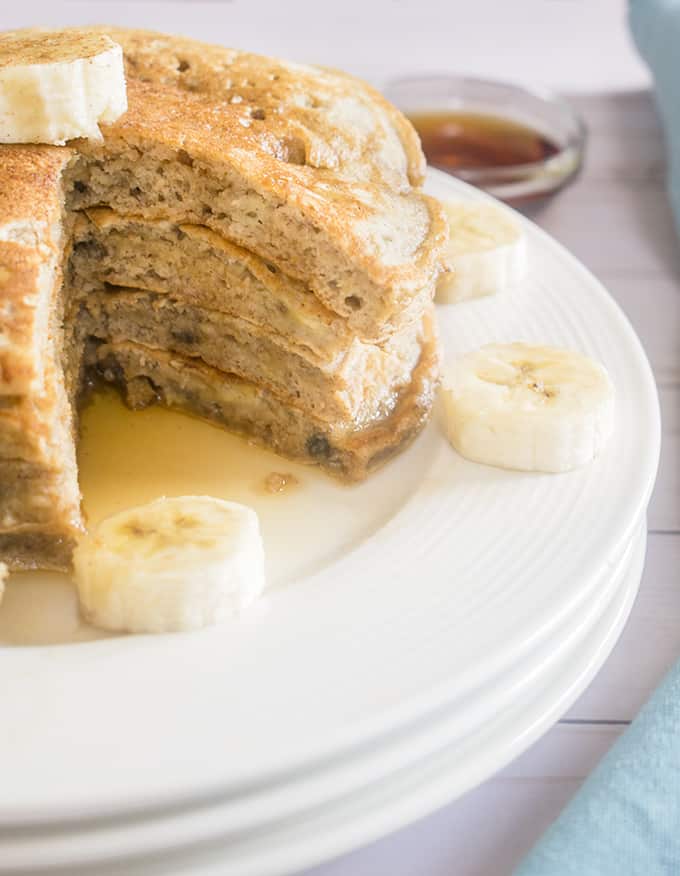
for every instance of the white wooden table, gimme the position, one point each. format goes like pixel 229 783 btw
pixel 615 218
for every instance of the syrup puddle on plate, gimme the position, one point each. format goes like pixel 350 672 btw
pixel 128 458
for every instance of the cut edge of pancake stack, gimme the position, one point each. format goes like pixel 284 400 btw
pixel 248 242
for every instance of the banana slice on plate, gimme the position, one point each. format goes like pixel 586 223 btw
pixel 485 254
pixel 175 564
pixel 528 407
pixel 57 85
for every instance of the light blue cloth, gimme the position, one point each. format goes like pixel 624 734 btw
pixel 625 820
pixel 656 29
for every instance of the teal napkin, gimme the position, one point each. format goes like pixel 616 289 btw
pixel 625 820
pixel 656 30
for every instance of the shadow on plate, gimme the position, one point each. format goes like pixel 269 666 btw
pixel 42 609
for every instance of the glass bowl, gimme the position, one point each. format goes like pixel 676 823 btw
pixel 549 115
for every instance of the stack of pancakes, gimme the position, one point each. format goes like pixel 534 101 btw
pixel 248 243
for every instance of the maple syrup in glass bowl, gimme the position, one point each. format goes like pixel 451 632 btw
pixel 515 143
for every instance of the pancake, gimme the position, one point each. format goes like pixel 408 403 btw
pixel 354 385
pixel 196 264
pixel 307 167
pixel 248 243
pixel 365 251
pixel 157 377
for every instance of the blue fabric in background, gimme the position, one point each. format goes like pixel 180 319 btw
pixel 625 820
pixel 655 25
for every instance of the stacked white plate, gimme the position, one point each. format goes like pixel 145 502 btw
pixel 423 629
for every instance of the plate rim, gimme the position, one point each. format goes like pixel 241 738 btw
pixel 360 832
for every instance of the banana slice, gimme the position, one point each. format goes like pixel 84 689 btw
pixel 56 85
pixel 174 564
pixel 485 254
pixel 526 407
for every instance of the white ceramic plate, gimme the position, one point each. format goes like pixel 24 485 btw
pixel 268 811
pixel 393 598
pixel 201 841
